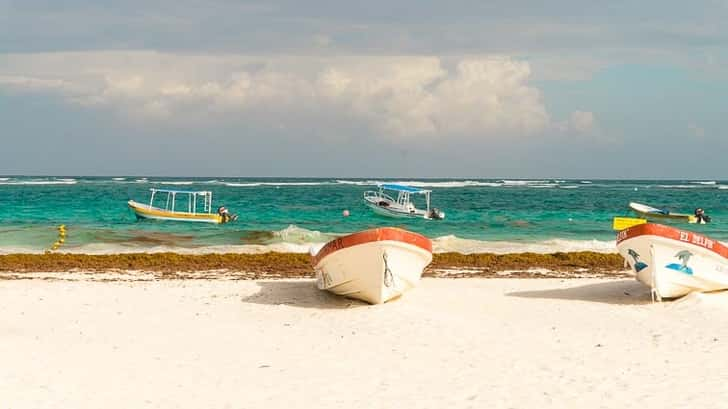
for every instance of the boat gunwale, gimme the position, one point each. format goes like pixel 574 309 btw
pixel 672 233
pixel 369 236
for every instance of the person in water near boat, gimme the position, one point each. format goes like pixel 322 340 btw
pixel 701 217
pixel 225 213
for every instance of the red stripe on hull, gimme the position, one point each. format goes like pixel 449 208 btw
pixel 366 236
pixel 651 229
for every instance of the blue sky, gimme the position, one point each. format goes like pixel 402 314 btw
pixel 382 88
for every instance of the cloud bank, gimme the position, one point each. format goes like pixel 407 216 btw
pixel 398 97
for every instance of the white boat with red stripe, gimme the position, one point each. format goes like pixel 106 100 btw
pixel 674 262
pixel 374 265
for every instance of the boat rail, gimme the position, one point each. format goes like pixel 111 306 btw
pixel 375 195
pixel 192 197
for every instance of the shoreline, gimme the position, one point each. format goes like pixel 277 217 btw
pixel 295 265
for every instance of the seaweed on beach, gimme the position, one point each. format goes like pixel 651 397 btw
pixel 573 264
pixel 292 265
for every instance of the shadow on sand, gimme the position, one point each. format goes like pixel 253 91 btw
pixel 299 293
pixel 625 292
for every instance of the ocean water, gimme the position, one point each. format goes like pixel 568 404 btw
pixel 488 215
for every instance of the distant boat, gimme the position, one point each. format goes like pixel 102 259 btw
pixel 384 204
pixel 650 212
pixel 190 214
pixel 374 265
pixel 674 262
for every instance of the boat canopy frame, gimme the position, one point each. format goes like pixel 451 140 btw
pixel 191 199
pixel 404 192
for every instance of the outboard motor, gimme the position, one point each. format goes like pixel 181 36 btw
pixel 436 214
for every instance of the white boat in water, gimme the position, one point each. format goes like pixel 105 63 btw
pixel 382 203
pixel 674 262
pixel 188 212
pixel 374 265
pixel 650 212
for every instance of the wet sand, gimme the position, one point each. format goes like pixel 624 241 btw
pixel 476 343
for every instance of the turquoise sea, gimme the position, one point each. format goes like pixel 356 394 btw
pixel 288 214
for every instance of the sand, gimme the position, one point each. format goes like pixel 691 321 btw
pixel 467 343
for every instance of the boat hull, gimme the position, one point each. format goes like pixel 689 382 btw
pixel 374 265
pixel 674 262
pixel 384 211
pixel 144 211
pixel 648 212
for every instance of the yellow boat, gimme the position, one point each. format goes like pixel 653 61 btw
pixel 149 211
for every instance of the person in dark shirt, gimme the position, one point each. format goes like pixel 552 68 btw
pixel 701 217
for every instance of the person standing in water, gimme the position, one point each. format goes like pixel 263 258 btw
pixel 701 217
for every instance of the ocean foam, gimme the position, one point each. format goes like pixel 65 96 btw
pixel 40 182
pixel 544 186
pixel 450 184
pixel 297 235
pixel 176 183
pixel 275 184
pixel 358 182
pixel 294 239
pixel 451 243
pixel 424 184
pixel 683 186
pixel 231 184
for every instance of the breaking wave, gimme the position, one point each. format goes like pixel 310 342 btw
pixel 451 243
pixel 175 183
pixel 39 182
pixel 294 239
pixel 253 184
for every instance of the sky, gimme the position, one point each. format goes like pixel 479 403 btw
pixel 396 88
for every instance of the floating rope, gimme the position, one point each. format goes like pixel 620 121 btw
pixel 388 277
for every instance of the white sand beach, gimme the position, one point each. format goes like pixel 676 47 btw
pixel 468 343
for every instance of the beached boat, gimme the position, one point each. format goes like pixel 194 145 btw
pixel 674 262
pixel 650 212
pixel 190 214
pixel 374 265
pixel 384 204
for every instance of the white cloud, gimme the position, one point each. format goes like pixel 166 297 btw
pixel 20 82
pixel 398 96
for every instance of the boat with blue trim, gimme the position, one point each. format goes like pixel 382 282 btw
pixel 382 201
pixel 674 262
